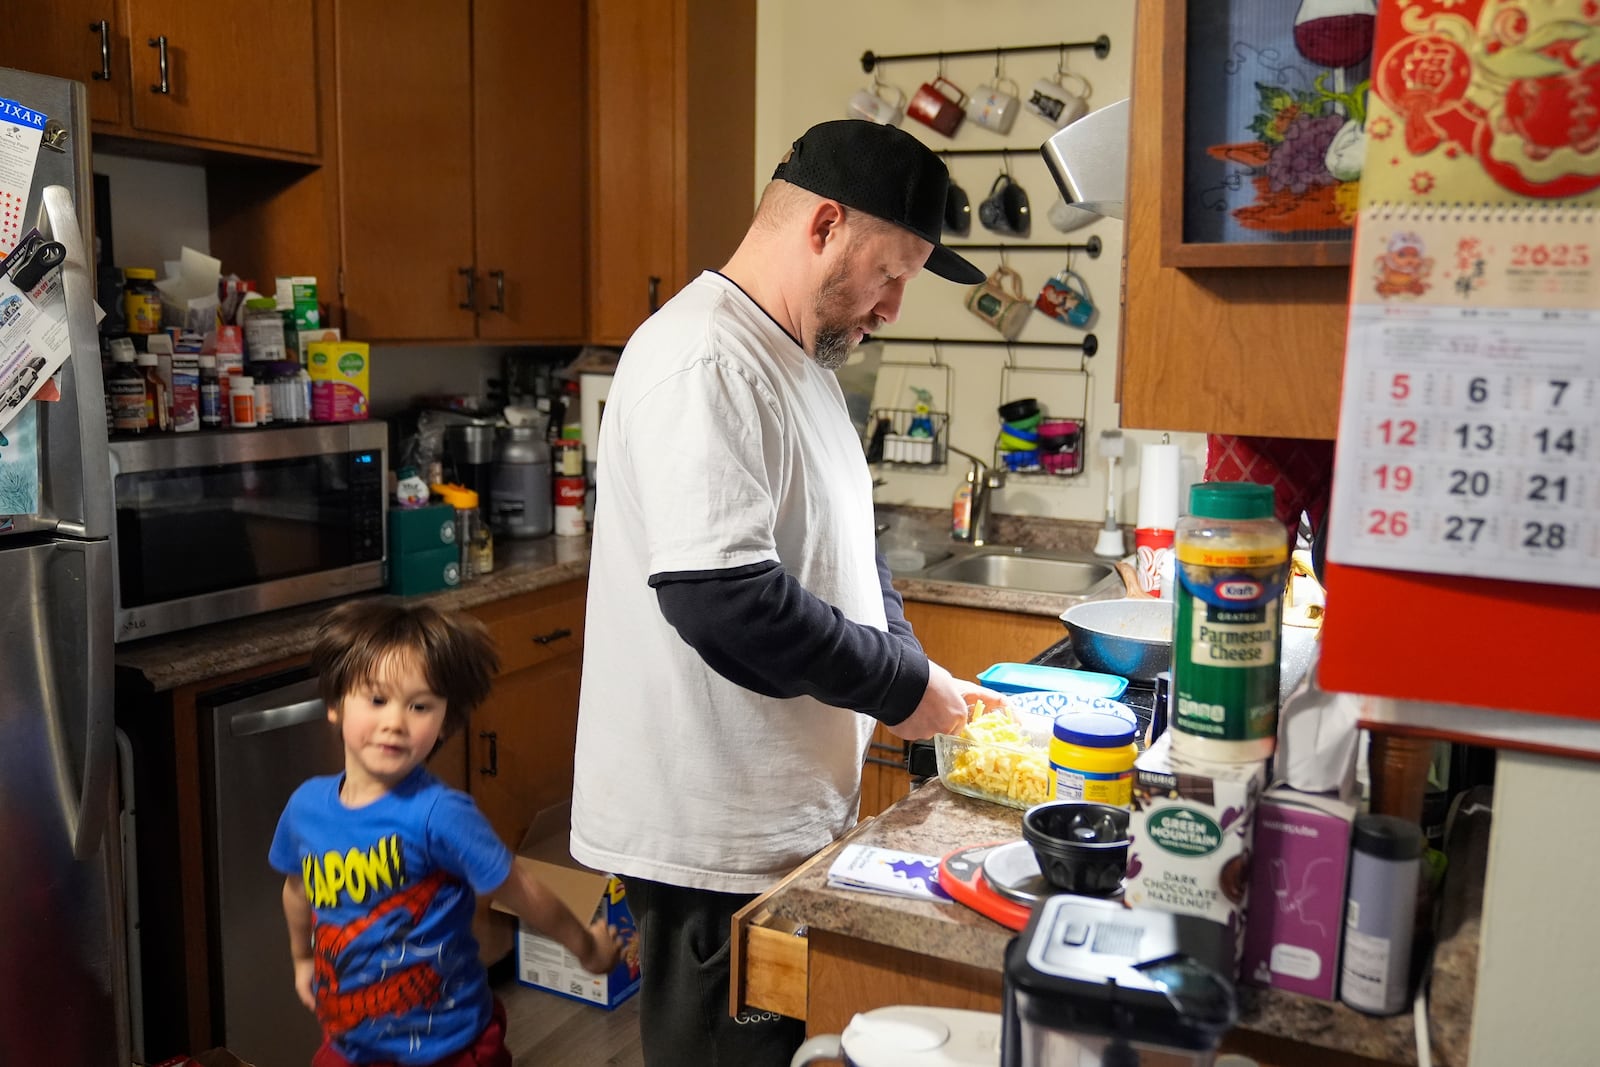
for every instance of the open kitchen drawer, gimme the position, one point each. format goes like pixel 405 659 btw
pixel 769 964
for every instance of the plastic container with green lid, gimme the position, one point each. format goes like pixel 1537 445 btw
pixel 1091 758
pixel 1232 559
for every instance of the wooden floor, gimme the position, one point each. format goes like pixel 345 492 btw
pixel 544 1030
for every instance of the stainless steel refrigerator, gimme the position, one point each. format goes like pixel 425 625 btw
pixel 63 984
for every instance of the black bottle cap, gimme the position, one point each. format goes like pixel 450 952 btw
pixel 1388 837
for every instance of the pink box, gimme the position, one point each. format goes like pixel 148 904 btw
pixel 1297 889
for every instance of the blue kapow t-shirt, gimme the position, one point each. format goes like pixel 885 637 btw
pixel 393 887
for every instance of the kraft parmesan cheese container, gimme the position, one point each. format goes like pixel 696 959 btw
pixel 340 374
pixel 1190 836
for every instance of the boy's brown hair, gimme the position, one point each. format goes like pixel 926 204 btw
pixel 454 651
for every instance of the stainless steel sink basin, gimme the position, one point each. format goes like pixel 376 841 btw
pixel 1026 569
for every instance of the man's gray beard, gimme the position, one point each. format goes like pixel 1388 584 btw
pixel 832 346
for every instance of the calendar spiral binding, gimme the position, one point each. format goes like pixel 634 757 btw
pixel 1557 213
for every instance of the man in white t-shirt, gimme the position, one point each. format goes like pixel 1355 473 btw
pixel 743 638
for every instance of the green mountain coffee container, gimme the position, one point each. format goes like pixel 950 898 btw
pixel 1232 562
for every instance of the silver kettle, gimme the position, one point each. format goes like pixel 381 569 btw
pixel 910 1036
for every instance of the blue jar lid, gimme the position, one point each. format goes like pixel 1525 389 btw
pixel 1094 729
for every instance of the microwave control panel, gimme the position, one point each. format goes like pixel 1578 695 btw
pixel 367 478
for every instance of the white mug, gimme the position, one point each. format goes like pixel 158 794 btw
pixel 871 104
pixel 1055 103
pixel 1067 217
pixel 993 108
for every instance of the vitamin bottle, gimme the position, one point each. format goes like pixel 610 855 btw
pixel 126 388
pixel 210 394
pixel 1232 562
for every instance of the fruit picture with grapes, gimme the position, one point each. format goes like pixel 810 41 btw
pixel 1299 91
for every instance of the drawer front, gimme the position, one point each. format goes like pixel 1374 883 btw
pixel 771 973
pixel 527 634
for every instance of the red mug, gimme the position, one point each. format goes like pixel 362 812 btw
pixel 938 104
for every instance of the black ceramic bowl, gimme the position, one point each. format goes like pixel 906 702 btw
pixel 1017 410
pixel 1082 847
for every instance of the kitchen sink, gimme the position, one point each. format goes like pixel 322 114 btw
pixel 1033 570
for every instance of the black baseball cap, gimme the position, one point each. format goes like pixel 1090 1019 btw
pixel 883 171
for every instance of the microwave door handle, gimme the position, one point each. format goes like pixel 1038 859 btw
pixel 88 812
pixel 59 222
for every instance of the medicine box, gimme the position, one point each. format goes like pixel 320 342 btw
pixel 425 572
pixel 590 895
pixel 1297 892
pixel 423 529
pixel 340 374
pixel 1190 836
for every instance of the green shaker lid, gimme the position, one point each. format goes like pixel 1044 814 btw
pixel 1231 500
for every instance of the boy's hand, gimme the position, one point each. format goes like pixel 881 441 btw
pixel 605 948
pixel 303 975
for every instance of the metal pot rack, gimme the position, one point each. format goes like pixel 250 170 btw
pixel 1101 46
pixel 1089 345
pixel 1091 246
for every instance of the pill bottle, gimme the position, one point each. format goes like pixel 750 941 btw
pixel 1380 914
pixel 210 394
pixel 264 341
pixel 1232 565
pixel 141 302
pixel 1091 758
pixel 126 388
pixel 242 401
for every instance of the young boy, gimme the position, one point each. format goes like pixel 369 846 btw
pixel 383 863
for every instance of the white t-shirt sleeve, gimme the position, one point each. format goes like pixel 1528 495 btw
pixel 704 485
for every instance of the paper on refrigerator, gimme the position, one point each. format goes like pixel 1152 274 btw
pixel 34 341
pixel 21 130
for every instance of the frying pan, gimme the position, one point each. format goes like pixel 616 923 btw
pixel 1130 637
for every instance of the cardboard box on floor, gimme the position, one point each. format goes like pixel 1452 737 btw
pixel 544 963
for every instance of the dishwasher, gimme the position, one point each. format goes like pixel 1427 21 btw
pixel 262 740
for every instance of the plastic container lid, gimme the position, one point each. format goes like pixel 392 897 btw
pixel 259 303
pixel 121 350
pixel 148 359
pixel 1231 500
pixel 1094 729
pixel 242 383
pixel 1032 677
pixel 142 273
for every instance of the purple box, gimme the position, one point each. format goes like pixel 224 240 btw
pixel 1297 889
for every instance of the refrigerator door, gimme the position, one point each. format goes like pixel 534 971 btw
pixel 74 490
pixel 60 881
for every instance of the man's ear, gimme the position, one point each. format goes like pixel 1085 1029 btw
pixel 822 224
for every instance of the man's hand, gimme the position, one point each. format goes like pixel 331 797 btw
pixel 605 948
pixel 944 704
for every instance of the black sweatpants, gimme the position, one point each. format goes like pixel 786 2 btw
pixel 684 953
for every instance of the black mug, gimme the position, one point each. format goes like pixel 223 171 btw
pixel 957 211
pixel 1005 210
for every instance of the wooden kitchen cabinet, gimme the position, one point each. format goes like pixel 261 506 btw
pixel 884 778
pixel 240 78
pixel 967 641
pixel 521 739
pixel 1240 350
pixel 672 146
pixel 462 199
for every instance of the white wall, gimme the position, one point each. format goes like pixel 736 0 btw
pixel 808 64
pixel 156 209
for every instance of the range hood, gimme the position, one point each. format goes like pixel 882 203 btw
pixel 1089 160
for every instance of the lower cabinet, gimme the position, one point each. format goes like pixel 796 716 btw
pixel 519 745
pixel 884 778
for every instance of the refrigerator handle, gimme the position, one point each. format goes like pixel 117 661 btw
pixel 87 818
pixel 60 223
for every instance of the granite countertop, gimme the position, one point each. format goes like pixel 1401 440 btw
pixel 934 821
pixel 173 660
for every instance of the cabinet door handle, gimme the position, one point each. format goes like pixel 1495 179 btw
pixel 160 45
pixel 655 293
pixel 103 28
pixel 499 277
pixel 892 764
pixel 553 635
pixel 471 302
pixel 493 770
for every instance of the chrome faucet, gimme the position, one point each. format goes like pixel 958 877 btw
pixel 985 480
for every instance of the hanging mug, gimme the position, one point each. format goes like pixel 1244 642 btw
pixel 873 105
pixel 1005 210
pixel 1067 217
pixel 938 104
pixel 998 301
pixel 993 107
pixel 957 210
pixel 1057 104
pixel 1066 299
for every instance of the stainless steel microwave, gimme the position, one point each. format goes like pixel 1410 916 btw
pixel 215 526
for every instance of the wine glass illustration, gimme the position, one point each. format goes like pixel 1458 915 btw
pixel 1336 33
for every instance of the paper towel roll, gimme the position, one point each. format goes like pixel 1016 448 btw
pixel 1158 487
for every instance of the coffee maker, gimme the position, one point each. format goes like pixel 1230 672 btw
pixel 469 454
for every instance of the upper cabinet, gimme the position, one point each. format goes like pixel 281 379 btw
pixel 463 170
pixel 1252 350
pixel 233 78
pixel 672 147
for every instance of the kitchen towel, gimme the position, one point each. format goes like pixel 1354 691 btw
pixel 1299 471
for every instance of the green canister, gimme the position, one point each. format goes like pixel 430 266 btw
pixel 1233 562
